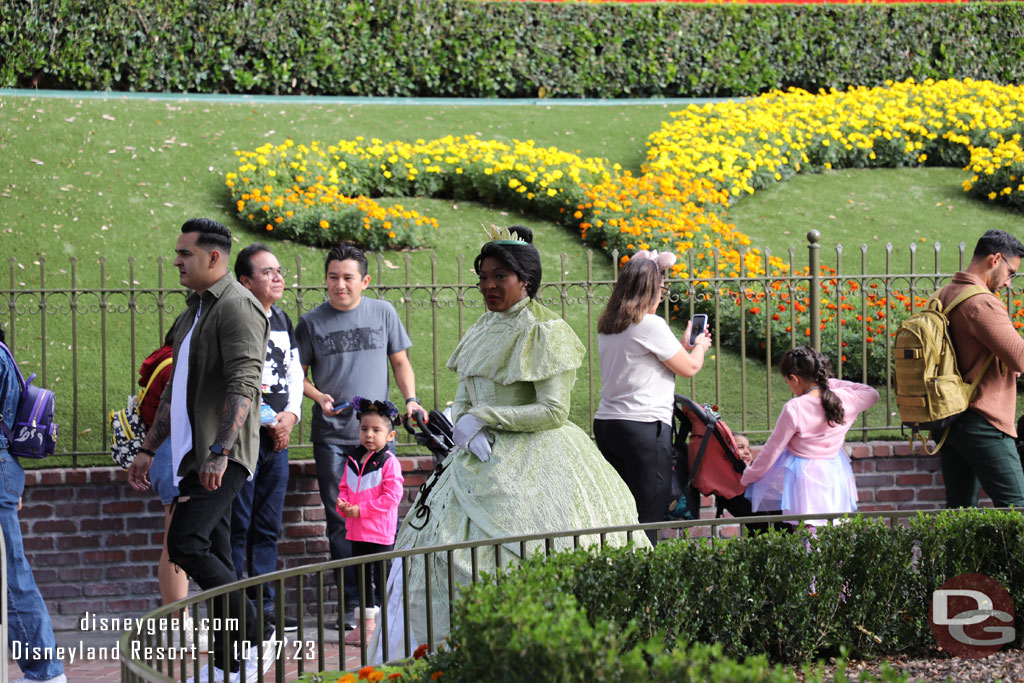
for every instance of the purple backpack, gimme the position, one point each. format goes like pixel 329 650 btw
pixel 33 433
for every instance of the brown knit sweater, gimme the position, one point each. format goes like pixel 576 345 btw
pixel 978 327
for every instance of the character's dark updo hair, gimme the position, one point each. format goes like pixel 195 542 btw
pixel 521 259
pixel 806 363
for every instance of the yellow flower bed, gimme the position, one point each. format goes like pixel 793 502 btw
pixel 998 172
pixel 743 146
pixel 320 194
pixel 706 157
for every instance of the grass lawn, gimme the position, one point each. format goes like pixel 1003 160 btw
pixel 115 178
pixel 872 207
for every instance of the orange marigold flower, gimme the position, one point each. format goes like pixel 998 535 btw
pixel 324 224
pixel 421 651
pixel 436 675
pixel 376 676
pixel 365 672
pixel 395 676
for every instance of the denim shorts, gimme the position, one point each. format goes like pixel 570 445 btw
pixel 161 476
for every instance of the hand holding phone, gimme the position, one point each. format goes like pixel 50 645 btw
pixel 697 327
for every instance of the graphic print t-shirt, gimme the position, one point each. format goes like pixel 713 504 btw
pixel 347 353
pixel 282 373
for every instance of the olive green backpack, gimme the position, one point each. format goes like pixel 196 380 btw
pixel 930 392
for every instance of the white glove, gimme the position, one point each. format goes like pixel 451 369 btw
pixel 469 433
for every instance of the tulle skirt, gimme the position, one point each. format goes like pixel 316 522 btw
pixel 801 486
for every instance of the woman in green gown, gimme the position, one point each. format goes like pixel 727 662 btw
pixel 520 466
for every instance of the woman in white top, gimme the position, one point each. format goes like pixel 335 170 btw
pixel 640 357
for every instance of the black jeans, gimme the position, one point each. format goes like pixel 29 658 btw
pixel 330 467
pixel 374 574
pixel 641 452
pixel 199 541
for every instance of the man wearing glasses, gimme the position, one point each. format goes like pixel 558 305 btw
pixel 980 448
pixel 257 512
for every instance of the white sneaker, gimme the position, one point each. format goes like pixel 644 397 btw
pixel 254 663
pixel 56 679
pixel 203 645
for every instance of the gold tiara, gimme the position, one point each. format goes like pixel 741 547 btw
pixel 500 235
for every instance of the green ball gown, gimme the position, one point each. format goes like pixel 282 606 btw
pixel 516 372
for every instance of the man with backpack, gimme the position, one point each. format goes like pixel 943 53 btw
pixel 29 631
pixel 981 448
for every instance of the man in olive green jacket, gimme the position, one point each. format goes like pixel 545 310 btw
pixel 220 341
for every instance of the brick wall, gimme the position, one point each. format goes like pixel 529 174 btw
pixel 94 542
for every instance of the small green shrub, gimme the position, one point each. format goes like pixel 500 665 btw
pixel 886 614
pixel 696 610
pixel 972 541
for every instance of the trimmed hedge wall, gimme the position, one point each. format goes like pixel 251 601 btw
pixel 859 587
pixel 500 49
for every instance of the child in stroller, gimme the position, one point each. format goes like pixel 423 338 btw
pixel 708 461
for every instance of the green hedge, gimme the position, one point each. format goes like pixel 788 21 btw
pixel 498 49
pixel 859 587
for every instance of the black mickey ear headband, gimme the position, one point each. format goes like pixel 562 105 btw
pixel 384 408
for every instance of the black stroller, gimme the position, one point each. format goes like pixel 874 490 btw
pixel 436 436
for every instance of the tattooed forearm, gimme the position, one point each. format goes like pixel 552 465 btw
pixel 161 427
pixel 232 417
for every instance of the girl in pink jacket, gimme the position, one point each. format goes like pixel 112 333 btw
pixel 370 490
pixel 803 467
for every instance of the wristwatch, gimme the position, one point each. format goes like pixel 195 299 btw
pixel 217 449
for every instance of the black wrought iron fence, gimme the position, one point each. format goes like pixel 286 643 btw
pixel 150 648
pixel 86 340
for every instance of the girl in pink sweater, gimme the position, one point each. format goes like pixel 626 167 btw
pixel 803 467
pixel 370 491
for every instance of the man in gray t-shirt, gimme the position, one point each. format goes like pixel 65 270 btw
pixel 345 345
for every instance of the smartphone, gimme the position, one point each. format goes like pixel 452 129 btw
pixel 699 324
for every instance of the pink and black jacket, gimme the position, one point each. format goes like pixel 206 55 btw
pixel 375 486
